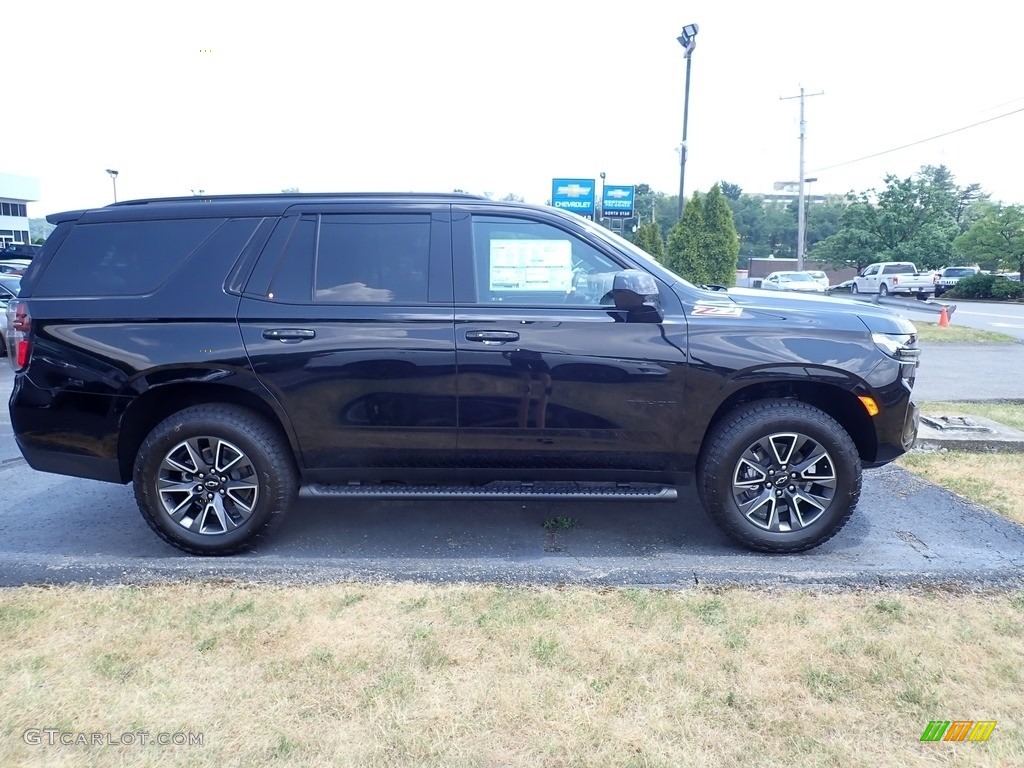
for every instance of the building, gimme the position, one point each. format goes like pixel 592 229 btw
pixel 15 194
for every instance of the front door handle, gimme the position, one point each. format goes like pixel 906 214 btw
pixel 492 337
pixel 289 334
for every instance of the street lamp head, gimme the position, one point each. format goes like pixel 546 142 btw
pixel 602 175
pixel 111 172
pixel 688 38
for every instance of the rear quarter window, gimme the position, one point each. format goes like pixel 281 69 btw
pixel 122 258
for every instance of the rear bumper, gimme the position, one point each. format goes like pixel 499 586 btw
pixel 75 465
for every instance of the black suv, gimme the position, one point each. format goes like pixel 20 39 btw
pixel 225 354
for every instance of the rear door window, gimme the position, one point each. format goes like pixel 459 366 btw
pixel 122 258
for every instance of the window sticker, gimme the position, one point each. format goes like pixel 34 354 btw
pixel 531 265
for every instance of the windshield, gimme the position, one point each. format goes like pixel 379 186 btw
pixel 12 284
pixel 797 277
pixel 958 272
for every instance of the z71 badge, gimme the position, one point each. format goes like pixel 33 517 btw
pixel 703 309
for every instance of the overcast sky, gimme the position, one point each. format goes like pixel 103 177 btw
pixel 502 96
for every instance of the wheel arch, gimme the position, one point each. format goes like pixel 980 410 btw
pixel 838 402
pixel 156 404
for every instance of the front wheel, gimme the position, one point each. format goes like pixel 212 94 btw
pixel 853 288
pixel 213 479
pixel 779 476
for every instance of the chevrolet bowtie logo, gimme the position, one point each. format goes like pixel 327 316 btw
pixel 619 193
pixel 574 190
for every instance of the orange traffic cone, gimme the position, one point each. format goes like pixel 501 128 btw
pixel 943 318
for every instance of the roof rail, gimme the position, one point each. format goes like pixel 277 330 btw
pixel 300 196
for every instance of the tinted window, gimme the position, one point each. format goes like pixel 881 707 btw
pixel 530 263
pixel 293 281
pixel 958 272
pixel 373 259
pixel 122 259
pixel 900 269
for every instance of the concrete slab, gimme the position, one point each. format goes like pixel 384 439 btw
pixel 959 432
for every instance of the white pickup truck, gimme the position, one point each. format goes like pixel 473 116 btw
pixel 897 278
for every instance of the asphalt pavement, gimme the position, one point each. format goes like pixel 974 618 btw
pixel 906 531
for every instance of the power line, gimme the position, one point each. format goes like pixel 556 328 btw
pixel 915 143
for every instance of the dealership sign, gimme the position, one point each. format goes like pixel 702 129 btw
pixel 576 195
pixel 618 201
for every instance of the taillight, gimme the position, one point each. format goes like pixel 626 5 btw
pixel 19 327
pixel 895 280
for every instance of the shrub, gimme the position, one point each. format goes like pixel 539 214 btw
pixel 986 287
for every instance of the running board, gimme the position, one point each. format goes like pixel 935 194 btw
pixel 499 490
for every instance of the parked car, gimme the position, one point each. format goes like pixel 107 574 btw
pixel 792 281
pixel 897 278
pixel 9 287
pixel 20 251
pixel 819 277
pixel 950 276
pixel 226 354
pixel 14 266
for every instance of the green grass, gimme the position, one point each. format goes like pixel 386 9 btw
pixel 931 333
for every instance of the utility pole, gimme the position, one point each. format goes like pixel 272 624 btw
pixel 801 225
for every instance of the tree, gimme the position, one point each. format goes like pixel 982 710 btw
pixel 721 244
pixel 648 238
pixel 685 252
pixel 732 192
pixel 912 219
pixel 511 197
pixel 289 191
pixel 996 236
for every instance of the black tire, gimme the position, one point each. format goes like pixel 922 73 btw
pixel 721 486
pixel 255 494
pixel 883 290
pixel 853 288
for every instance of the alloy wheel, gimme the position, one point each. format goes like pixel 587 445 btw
pixel 784 482
pixel 207 485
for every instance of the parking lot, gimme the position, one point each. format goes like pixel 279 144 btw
pixel 56 530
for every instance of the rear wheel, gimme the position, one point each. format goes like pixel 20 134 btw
pixel 213 479
pixel 883 290
pixel 779 476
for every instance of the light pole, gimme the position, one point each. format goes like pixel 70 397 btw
pixel 600 218
pixel 801 216
pixel 800 219
pixel 113 177
pixel 688 39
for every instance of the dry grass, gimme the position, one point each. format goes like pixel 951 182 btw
pixel 989 479
pixel 414 675
pixel 959 334
pixel 1010 414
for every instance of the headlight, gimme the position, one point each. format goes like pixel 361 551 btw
pixel 902 346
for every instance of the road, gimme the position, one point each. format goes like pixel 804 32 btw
pixel 56 529
pixel 1001 317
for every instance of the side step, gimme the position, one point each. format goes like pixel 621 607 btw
pixel 497 490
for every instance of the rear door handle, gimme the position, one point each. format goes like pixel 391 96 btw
pixel 289 334
pixel 492 337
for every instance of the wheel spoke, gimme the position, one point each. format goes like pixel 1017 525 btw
pixel 238 492
pixel 783 445
pixel 755 504
pixel 746 467
pixel 218 456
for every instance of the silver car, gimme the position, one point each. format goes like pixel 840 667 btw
pixel 792 281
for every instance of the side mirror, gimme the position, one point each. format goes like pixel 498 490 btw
pixel 636 293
